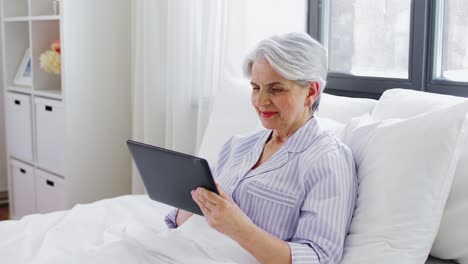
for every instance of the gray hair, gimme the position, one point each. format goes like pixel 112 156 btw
pixel 295 56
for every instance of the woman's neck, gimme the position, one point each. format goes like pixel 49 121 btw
pixel 280 136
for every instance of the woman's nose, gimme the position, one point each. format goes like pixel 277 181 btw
pixel 262 98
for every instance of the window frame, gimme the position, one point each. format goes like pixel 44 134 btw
pixel 421 57
pixel 435 85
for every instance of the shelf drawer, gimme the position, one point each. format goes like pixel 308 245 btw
pixel 22 176
pixel 50 192
pixel 18 126
pixel 50 134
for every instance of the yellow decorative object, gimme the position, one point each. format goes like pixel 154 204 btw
pixel 50 59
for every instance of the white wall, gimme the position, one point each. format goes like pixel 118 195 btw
pixel 3 169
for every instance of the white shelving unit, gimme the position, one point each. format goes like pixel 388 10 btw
pixel 66 133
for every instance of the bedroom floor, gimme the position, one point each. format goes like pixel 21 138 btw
pixel 4 215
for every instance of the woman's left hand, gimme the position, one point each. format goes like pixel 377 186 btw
pixel 221 212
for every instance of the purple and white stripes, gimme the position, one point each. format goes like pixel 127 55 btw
pixel 304 194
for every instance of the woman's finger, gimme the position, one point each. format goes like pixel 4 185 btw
pixel 202 203
pixel 205 209
pixel 222 193
pixel 208 197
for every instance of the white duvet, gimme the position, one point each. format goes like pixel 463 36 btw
pixel 127 229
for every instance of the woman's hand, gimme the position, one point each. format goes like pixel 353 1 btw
pixel 226 217
pixel 182 216
pixel 221 212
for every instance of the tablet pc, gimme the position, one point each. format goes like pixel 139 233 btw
pixel 170 176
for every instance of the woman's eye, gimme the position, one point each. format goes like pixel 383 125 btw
pixel 255 88
pixel 277 90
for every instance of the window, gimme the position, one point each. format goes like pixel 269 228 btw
pixel 360 26
pixel 451 41
pixel 375 45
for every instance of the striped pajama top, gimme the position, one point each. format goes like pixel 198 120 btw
pixel 304 194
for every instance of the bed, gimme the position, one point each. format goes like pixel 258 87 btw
pixel 130 229
pixel 127 229
pixel 120 230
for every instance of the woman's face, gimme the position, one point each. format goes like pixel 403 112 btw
pixel 281 104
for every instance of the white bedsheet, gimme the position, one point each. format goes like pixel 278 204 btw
pixel 127 229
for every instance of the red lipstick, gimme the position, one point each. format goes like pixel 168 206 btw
pixel 267 114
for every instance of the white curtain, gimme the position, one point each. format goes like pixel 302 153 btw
pixel 186 50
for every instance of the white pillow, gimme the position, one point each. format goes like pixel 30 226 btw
pixel 343 109
pixel 452 238
pixel 405 103
pixel 329 125
pixel 405 169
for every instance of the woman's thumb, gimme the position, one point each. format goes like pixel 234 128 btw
pixel 221 192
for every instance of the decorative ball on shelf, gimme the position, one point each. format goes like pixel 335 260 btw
pixel 50 59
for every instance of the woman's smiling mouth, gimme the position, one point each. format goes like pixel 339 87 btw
pixel 267 114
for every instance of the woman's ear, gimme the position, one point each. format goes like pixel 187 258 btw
pixel 314 90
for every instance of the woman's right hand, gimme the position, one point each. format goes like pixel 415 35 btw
pixel 182 216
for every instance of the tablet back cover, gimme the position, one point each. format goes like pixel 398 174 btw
pixel 169 176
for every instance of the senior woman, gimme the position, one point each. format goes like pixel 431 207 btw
pixel 287 193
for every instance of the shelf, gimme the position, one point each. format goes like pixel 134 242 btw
pixel 15 8
pixel 29 163
pixel 18 89
pixel 33 18
pixel 44 33
pixel 53 94
pixel 44 18
pixel 16 43
pixel 43 7
pixel 16 19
